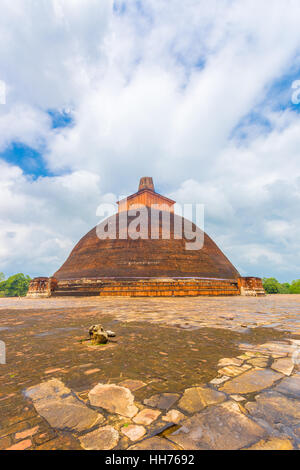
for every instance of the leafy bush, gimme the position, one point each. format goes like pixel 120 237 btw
pixel 295 287
pixel 284 288
pixel 271 285
pixel 15 286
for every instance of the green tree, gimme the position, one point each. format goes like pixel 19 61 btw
pixel 295 287
pixel 2 282
pixel 271 285
pixel 284 288
pixel 16 285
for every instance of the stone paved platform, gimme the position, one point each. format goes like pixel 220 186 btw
pixel 177 370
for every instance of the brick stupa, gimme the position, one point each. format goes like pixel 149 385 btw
pixel 146 266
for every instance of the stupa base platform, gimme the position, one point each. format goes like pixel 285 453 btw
pixel 145 287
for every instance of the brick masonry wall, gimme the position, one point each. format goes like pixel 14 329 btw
pixel 135 287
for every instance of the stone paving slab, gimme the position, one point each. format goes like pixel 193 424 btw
pixel 174 416
pixel 104 438
pixel 114 399
pixel 218 427
pixel 233 371
pixel 290 386
pixel 284 365
pixel 252 381
pixel 163 401
pixel 146 416
pixel 197 398
pixel 275 409
pixel 275 347
pixel 274 443
pixel 153 443
pixel 134 432
pixel 56 403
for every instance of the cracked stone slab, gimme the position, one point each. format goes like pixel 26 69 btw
pixel 133 432
pixel 114 399
pixel 163 401
pixel 290 386
pixel 153 443
pixel 284 365
pixel 104 438
pixel 251 381
pixel 275 409
pixel 146 416
pixel 220 427
pixel 197 398
pixel 57 404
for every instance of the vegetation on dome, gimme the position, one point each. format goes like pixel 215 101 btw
pixel 15 286
pixel 272 286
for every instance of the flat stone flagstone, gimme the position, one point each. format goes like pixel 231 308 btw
pixel 233 371
pixel 153 443
pixel 219 380
pixel 174 416
pixel 146 416
pixel 133 432
pixel 26 433
pixel 232 361
pixel 274 443
pixel 218 427
pixel 22 445
pixel 260 362
pixel 114 399
pixel 56 403
pixel 276 409
pixel 274 347
pixel 197 398
pixel 163 401
pixel 284 365
pixel 104 438
pixel 237 398
pixel 251 381
pixel 290 386
pixel 246 355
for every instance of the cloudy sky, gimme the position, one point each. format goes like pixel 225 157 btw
pixel 196 94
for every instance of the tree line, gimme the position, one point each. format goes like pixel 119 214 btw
pixel 272 286
pixel 14 286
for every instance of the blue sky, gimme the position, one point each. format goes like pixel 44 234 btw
pixel 196 94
